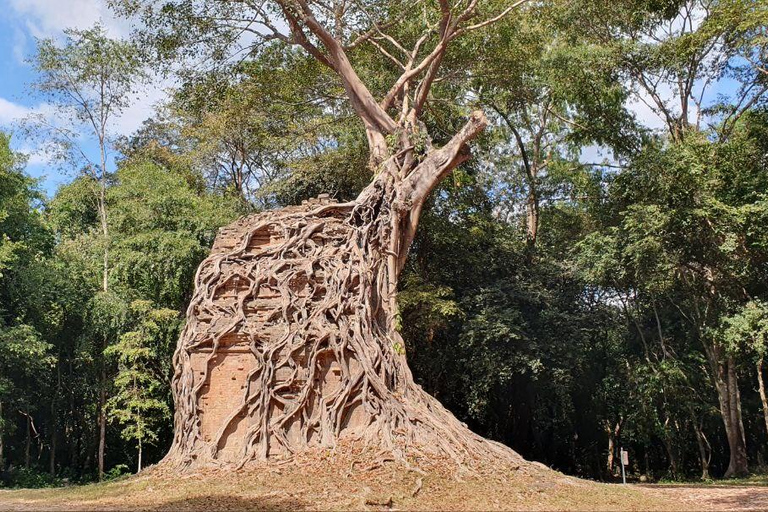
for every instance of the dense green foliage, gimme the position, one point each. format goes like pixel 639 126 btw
pixel 564 304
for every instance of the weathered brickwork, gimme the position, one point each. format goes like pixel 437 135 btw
pixel 224 377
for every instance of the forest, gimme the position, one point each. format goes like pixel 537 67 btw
pixel 594 278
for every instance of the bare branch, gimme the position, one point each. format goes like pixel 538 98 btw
pixel 490 21
pixel 449 29
pixel 384 52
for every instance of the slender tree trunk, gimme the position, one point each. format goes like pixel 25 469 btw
pixel 646 462
pixel 54 417
pixel 761 387
pixel 704 454
pixel 28 441
pixel 52 461
pixel 102 207
pixel 102 420
pixel 2 446
pixel 532 213
pixel 139 470
pixel 531 174
pixel 670 448
pixel 611 454
pixel 613 431
pixel 71 429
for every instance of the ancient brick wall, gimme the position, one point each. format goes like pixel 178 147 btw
pixel 224 376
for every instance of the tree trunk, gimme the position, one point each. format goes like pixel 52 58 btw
pixel 2 446
pixel 54 417
pixel 761 387
pixel 532 214
pixel 532 206
pixel 669 446
pixel 139 468
pixel 102 420
pixel 28 441
pixel 102 208
pixel 646 462
pixel 291 340
pixel 730 410
pixel 52 461
pixel 74 419
pixel 611 454
pixel 613 435
pixel 704 451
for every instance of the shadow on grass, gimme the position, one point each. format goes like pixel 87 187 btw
pixel 753 498
pixel 718 497
pixel 206 502
pixel 228 503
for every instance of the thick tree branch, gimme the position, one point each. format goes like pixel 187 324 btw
pixel 362 100
pixel 438 163
pixel 412 73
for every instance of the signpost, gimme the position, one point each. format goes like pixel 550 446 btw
pixel 624 462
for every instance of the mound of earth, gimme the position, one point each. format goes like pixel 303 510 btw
pixel 328 481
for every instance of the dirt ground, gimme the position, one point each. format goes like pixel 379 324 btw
pixel 714 497
pixel 336 484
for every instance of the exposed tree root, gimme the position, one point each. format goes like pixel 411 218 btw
pixel 310 291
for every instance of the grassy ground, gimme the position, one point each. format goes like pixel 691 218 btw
pixel 332 485
pixel 756 480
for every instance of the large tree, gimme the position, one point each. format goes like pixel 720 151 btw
pixel 88 81
pixel 351 315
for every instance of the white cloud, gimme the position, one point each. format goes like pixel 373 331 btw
pixel 36 157
pixel 11 112
pixel 48 18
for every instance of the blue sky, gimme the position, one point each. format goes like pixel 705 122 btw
pixel 21 21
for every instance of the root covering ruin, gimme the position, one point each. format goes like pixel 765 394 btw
pixel 291 344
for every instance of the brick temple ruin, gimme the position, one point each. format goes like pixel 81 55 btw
pixel 222 378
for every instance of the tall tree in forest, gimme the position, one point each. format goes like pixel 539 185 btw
pixel 139 403
pixel 549 95
pixel 746 331
pixel 89 81
pixel 353 315
pixel 674 55
pixel 682 235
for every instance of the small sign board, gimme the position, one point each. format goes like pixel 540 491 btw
pixel 625 457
